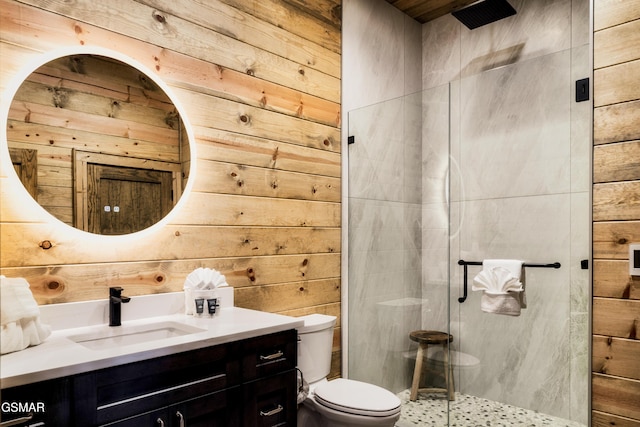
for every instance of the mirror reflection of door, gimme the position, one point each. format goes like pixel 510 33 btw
pixel 123 200
pixel 122 195
pixel 25 163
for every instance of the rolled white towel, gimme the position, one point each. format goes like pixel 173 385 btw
pixel 16 300
pixel 24 333
pixel 21 326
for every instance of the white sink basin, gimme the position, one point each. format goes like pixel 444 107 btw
pixel 117 336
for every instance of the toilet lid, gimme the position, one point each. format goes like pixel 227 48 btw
pixel 358 398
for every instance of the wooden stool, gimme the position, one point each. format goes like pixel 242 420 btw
pixel 424 338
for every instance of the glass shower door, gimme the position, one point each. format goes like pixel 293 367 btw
pixel 398 241
pixel 384 301
pixel 519 190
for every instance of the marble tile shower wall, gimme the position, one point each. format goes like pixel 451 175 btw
pixel 519 180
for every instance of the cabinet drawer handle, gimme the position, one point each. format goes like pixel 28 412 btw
pixel 16 421
pixel 180 418
pixel 160 422
pixel 272 412
pixel 275 355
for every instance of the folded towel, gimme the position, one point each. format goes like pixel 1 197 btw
pixel 20 316
pixel 513 265
pixel 496 280
pixel 205 278
pixel 503 292
pixel 508 303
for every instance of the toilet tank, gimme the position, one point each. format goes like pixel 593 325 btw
pixel 315 342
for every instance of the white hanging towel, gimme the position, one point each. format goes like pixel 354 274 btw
pixel 20 316
pixel 502 290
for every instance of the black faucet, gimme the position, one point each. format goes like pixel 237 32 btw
pixel 115 305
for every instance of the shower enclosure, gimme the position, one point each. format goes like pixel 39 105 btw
pixel 495 164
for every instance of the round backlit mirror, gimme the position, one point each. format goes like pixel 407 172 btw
pixel 98 143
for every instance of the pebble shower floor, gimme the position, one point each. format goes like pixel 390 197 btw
pixel 471 411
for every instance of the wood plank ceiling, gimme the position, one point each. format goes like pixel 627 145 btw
pixel 428 10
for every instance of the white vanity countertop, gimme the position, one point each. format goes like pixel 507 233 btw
pixel 59 356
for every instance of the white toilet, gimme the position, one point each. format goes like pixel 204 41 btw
pixel 340 402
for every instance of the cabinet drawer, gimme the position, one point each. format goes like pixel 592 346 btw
pixel 45 402
pixel 271 402
pixel 222 409
pixel 218 409
pixel 269 354
pixel 115 393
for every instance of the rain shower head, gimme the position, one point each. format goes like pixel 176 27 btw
pixel 484 12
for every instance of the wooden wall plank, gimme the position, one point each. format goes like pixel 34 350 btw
pixel 611 238
pixel 40 135
pixel 616 201
pixel 616 317
pixel 615 84
pixel 616 162
pixel 616 45
pixel 208 111
pixel 617 357
pixel 616 395
pixel 248 150
pixel 601 419
pixel 329 11
pixel 290 296
pixel 228 178
pixel 607 13
pixel 216 209
pixel 615 123
pixel 611 280
pixel 291 19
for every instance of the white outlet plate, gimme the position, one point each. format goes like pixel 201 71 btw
pixel 634 259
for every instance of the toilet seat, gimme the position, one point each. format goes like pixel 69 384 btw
pixel 357 398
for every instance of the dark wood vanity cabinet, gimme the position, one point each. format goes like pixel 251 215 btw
pixel 245 383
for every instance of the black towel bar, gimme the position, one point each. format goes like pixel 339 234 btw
pixel 466 263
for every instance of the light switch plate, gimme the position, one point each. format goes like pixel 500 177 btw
pixel 634 259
